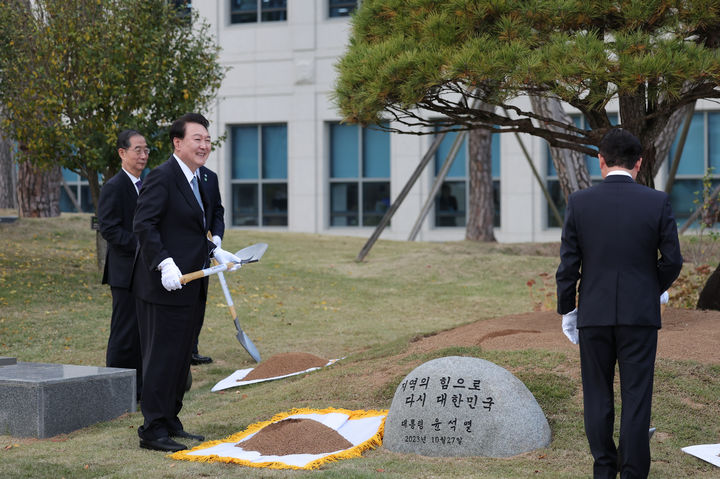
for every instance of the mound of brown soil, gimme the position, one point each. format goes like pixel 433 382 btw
pixel 685 334
pixel 295 436
pixel 286 363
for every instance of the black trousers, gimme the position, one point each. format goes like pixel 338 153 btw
pixel 201 320
pixel 634 349
pixel 123 349
pixel 166 335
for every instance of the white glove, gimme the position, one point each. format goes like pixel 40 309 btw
pixel 222 257
pixel 217 240
pixel 664 298
pixel 170 274
pixel 569 326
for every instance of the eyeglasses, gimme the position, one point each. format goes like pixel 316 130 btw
pixel 138 150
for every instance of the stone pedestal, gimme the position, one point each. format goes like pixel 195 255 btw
pixel 43 400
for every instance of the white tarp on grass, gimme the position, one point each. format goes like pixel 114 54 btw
pixel 235 379
pixel 706 452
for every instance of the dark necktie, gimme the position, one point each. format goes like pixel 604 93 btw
pixel 196 191
pixel 138 185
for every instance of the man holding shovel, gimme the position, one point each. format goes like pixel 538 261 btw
pixel 171 220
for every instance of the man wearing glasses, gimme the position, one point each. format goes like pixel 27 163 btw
pixel 116 209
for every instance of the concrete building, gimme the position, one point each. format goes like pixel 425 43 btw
pixel 288 163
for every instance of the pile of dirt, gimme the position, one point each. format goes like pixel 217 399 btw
pixel 286 363
pixel 295 436
pixel 685 334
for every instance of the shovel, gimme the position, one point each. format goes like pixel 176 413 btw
pixel 251 254
pixel 241 336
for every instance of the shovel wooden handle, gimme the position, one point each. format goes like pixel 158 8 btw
pixel 186 278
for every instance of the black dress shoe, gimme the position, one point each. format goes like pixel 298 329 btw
pixel 162 444
pixel 196 359
pixel 187 435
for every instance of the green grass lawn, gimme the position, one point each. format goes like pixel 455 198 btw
pixel 308 294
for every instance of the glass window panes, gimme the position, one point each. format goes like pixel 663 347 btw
pixel 714 141
pixel 259 175
pixel 451 202
pixel 700 157
pixel 245 210
pixel 692 159
pixel 243 11
pixel 341 8
pixel 245 152
pixel 80 190
pixel 274 10
pixel 343 204
pixel 246 11
pixel 344 151
pixel 359 175
pixel 458 168
pixel 683 196
pixel 376 153
pixel 376 201
pixel 275 202
pixel 274 142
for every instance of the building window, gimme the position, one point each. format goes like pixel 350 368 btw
pixel 359 175
pixel 80 189
pixel 700 155
pixel 452 201
pixel 341 8
pixel 259 175
pixel 253 11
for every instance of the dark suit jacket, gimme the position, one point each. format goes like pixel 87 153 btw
pixel 610 243
pixel 169 224
pixel 211 189
pixel 116 208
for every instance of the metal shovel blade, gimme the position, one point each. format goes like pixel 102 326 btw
pixel 252 253
pixel 241 336
pixel 246 342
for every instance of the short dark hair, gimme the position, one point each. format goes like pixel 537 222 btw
pixel 177 129
pixel 123 139
pixel 620 148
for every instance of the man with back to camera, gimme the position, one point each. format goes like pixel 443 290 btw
pixel 171 221
pixel 610 242
pixel 116 209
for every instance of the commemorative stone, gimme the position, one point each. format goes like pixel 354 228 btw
pixel 462 406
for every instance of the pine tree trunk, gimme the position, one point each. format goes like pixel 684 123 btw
pixel 570 165
pixel 481 209
pixel 8 174
pixel 38 191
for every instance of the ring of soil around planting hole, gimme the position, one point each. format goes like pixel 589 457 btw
pixel 283 364
pixel 295 436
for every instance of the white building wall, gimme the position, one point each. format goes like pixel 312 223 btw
pixel 283 72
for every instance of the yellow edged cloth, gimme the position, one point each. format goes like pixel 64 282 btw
pixel 363 429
